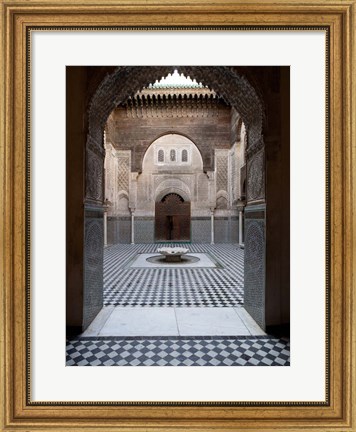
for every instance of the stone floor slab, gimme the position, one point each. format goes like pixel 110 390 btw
pixel 249 322
pixel 159 321
pixel 210 321
pixel 99 321
pixel 140 322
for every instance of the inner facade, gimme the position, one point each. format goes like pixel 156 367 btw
pixel 173 197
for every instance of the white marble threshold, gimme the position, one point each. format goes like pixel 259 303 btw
pixel 173 321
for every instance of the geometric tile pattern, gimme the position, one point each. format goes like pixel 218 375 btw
pixel 221 167
pixel 190 287
pixel 123 174
pixel 179 351
pixel 255 268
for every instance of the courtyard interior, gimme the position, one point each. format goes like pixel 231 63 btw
pixel 170 314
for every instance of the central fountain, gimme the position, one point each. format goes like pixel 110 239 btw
pixel 173 257
pixel 173 254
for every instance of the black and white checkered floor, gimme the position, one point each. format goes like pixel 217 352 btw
pixel 197 287
pixel 178 351
pixel 220 287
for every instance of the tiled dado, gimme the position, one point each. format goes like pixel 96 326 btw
pixel 254 262
pixel 93 263
pixel 119 229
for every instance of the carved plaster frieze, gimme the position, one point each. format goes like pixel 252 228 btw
pixel 94 177
pixel 256 177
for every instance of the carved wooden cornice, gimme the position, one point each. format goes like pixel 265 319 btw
pixel 174 102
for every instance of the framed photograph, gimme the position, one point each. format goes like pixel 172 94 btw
pixel 178 216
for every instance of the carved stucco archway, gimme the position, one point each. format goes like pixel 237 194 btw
pixel 172 186
pixel 234 88
pixel 238 92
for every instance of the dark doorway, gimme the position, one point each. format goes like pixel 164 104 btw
pixel 172 219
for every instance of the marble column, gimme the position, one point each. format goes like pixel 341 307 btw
pixel 133 202
pixel 212 226
pixel 132 226
pixel 212 201
pixel 106 206
pixel 105 227
pixel 241 240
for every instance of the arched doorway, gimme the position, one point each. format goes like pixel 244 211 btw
pixel 172 219
pixel 242 96
pixel 266 297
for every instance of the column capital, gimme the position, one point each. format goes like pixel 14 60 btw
pixel 107 204
pixel 210 175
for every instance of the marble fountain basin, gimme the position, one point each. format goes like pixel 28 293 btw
pixel 173 254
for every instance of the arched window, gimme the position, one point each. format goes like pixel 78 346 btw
pixel 160 155
pixel 184 155
pixel 173 155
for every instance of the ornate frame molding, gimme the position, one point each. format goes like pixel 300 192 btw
pixel 17 412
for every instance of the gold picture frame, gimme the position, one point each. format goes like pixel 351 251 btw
pixel 17 412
